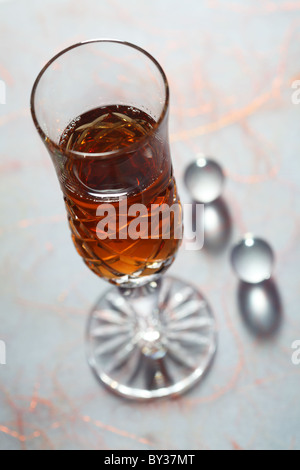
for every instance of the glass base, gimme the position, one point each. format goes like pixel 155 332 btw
pixel 152 341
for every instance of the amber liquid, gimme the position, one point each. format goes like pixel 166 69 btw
pixel 136 164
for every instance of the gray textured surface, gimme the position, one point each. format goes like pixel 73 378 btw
pixel 230 66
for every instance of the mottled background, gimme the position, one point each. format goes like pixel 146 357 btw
pixel 231 65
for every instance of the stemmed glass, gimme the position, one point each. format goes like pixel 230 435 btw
pixel 101 108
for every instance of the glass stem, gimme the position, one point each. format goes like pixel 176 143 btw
pixel 149 328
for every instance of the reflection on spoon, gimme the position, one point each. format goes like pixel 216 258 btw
pixel 217 226
pixel 204 179
pixel 261 307
pixel 252 259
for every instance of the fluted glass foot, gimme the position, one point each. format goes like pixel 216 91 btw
pixel 152 341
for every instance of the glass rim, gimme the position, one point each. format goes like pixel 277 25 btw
pixel 128 149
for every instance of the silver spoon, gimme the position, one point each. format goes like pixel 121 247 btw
pixel 252 260
pixel 204 179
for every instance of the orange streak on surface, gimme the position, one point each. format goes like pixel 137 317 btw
pixel 52 308
pixel 239 367
pixel 236 446
pixel 24 223
pixel 34 400
pixel 6 75
pixel 264 7
pixel 253 179
pixel 14 115
pixel 11 433
pixel 230 118
pixel 117 431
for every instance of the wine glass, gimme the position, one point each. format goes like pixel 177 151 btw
pixel 101 108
